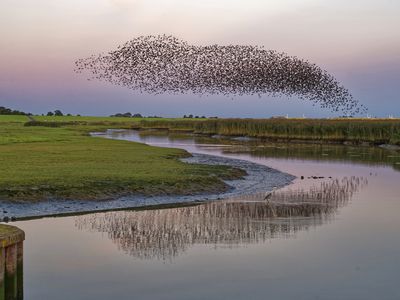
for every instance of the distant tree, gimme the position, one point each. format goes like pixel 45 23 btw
pixel 190 116
pixel 69 115
pixel 196 117
pixel 117 115
pixel 203 117
pixel 137 116
pixel 184 116
pixel 58 113
pixel 7 111
pixel 127 115
pixel 50 113
pixel 78 115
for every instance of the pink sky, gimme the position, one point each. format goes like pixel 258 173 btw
pixel 358 42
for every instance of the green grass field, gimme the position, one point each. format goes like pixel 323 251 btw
pixel 40 163
pixel 13 119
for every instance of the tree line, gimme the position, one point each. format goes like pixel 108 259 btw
pixel 130 115
pixel 59 113
pixel 8 111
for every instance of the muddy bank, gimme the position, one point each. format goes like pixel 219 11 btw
pixel 259 178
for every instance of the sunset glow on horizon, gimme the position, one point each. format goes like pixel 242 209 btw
pixel 357 42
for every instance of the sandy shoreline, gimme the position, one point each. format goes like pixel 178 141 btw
pixel 260 178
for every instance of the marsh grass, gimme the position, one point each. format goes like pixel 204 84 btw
pixel 354 131
pixel 357 131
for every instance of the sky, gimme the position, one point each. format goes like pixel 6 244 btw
pixel 357 41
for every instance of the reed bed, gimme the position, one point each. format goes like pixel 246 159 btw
pixel 356 131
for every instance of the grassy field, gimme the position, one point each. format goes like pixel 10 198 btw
pixel 40 163
pixel 13 119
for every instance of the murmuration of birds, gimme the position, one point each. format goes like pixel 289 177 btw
pixel 165 64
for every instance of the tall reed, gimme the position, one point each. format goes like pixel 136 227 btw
pixel 357 131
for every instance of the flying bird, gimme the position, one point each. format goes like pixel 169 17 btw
pixel 166 64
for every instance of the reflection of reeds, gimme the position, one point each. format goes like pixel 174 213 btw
pixel 367 155
pixel 163 234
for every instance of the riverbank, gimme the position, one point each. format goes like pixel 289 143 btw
pixel 52 166
pixel 348 131
pixel 259 178
pixel 366 132
pixel 65 163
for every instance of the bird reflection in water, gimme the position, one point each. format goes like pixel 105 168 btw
pixel 166 233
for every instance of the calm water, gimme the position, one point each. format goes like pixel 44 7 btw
pixel 344 248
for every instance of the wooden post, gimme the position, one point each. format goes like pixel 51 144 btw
pixel 11 272
pixel 2 271
pixel 11 263
pixel 20 270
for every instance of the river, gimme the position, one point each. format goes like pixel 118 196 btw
pixel 344 248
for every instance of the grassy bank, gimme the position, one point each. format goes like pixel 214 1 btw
pixel 39 162
pixel 53 157
pixel 351 131
pixel 354 131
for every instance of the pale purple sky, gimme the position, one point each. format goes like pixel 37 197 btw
pixel 357 41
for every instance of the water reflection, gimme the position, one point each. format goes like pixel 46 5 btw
pixel 166 233
pixel 265 149
pixel 333 153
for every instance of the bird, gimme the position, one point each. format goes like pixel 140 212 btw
pixel 165 64
pixel 267 195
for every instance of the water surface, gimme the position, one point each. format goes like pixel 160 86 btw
pixel 344 248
